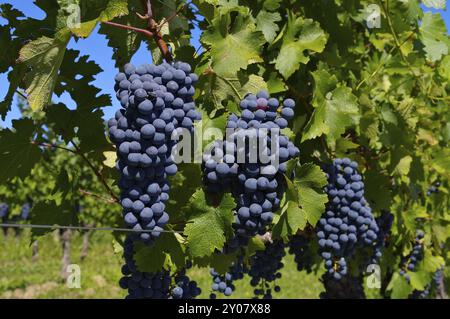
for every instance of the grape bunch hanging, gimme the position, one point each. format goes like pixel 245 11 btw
pixel 156 101
pixel 348 221
pixel 157 285
pixel 247 169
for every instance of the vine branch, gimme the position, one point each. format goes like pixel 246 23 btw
pixel 152 26
pixel 105 199
pixel 50 145
pixel 397 42
pixel 95 171
pixel 152 31
pixel 128 27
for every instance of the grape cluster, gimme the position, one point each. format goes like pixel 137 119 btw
pixel 433 188
pixel 348 220
pixel 431 287
pixel 416 255
pixel 245 164
pixel 264 268
pixel 346 288
pixel 4 212
pixel 142 285
pixel 184 287
pixel 25 211
pixel 158 285
pixel 299 246
pixel 224 283
pixel 157 102
pixel 384 222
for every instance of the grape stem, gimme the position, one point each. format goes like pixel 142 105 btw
pixel 95 171
pixel 153 30
pixel 128 27
pixel 49 145
pixel 105 199
pixel 77 151
pixel 153 27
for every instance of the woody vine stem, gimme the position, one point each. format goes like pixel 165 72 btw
pixel 152 30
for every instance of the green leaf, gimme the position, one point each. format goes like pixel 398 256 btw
pixel 441 161
pixel 112 9
pixel 14 78
pixel 266 22
pixel 183 186
pixel 433 34
pixel 275 83
pixel 166 252
pixel 336 108
pixel 444 68
pixel 271 5
pixel 436 4
pixel 44 57
pixel 212 128
pixel 310 181
pixel 254 244
pixel 376 185
pixel 49 213
pixel 220 262
pixel 399 287
pixel 301 36
pixel 124 42
pixel 217 89
pixel 233 43
pixel 208 226
pixel 292 218
pixel 17 153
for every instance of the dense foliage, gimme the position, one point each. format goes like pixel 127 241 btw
pixel 371 83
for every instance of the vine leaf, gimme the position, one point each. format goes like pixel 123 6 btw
pixel 305 200
pixel 336 108
pixel 183 186
pixel 301 35
pixel 266 22
pixel 399 287
pixel 436 4
pixel 212 128
pixel 113 8
pixel 433 34
pixel 14 78
pixel 44 57
pixel 441 162
pixel 124 42
pixel 293 217
pixel 216 89
pixel 220 262
pixel 233 43
pixel 310 181
pixel 17 154
pixel 50 213
pixel 208 227
pixel 166 252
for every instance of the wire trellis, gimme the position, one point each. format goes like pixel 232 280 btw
pixel 8 225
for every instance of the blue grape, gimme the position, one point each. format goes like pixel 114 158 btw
pixel 348 221
pixel 299 246
pixel 142 132
pixel 264 267
pixel 252 183
pixel 223 283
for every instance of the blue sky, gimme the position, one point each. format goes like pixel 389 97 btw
pixel 103 57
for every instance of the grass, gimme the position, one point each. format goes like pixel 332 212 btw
pixel 21 277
